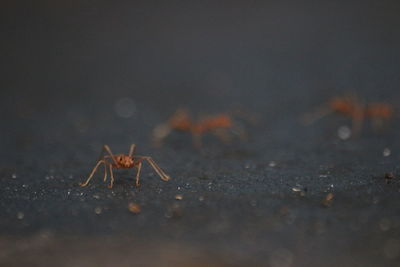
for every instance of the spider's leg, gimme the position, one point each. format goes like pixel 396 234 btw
pixel 138 174
pixel 158 170
pixel 108 150
pixel 132 150
pixel 111 175
pixel 92 173
pixel 105 172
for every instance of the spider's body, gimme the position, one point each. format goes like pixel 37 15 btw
pixel 123 161
pixel 346 106
pixel 219 125
pixel 357 110
pixel 209 124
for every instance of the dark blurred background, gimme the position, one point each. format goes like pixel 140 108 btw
pixel 79 74
pixel 279 57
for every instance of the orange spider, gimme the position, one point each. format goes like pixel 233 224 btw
pixel 217 124
pixel 352 107
pixel 122 161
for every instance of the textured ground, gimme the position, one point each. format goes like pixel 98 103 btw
pixel 78 76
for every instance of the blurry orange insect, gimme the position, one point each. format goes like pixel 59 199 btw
pixel 219 125
pixel 356 109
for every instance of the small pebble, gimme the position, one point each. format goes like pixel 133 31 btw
pixel 327 201
pixel 134 208
pixel 178 197
pixel 20 215
pixel 329 197
pixel 98 210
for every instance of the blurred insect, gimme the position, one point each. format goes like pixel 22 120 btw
pixel 357 110
pixel 123 161
pixel 219 125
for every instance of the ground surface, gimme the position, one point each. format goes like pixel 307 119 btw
pixel 79 76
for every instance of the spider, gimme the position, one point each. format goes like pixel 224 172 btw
pixel 218 124
pixel 123 161
pixel 356 109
